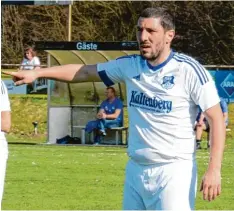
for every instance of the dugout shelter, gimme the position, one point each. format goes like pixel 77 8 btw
pixel 71 106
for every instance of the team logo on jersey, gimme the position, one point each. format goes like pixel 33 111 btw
pixel 138 77
pixel 228 85
pixel 168 82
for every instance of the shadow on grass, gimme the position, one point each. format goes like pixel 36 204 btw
pixel 22 143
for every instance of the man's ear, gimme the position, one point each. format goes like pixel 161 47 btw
pixel 170 34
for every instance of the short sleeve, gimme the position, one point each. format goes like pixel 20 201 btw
pixel 119 104
pixel 115 71
pixel 5 103
pixel 200 85
pixel 36 61
pixel 103 104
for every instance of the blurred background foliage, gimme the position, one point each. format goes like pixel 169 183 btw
pixel 204 29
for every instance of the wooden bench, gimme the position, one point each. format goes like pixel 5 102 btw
pixel 118 131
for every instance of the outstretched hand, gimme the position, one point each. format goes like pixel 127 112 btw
pixel 22 77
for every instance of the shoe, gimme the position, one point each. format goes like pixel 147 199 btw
pixel 103 132
pixel 96 144
pixel 198 146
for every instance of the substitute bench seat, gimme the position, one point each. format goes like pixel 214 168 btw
pixel 114 135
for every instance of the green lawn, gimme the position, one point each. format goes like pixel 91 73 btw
pixel 48 177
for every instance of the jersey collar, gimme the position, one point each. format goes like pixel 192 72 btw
pixel 159 66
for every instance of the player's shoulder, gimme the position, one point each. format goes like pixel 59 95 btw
pixel 104 101
pixel 192 66
pixel 129 63
pixel 186 59
pixel 129 57
pixel 118 100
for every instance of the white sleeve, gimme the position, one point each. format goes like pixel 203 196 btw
pixel 5 103
pixel 115 71
pixel 36 61
pixel 201 86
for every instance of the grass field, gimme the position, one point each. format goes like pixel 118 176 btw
pixel 80 178
pixel 48 177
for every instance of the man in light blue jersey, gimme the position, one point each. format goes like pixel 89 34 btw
pixel 163 91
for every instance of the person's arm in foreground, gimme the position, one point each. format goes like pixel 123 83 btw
pixel 5 110
pixel 211 182
pixel 203 92
pixel 5 121
pixel 68 73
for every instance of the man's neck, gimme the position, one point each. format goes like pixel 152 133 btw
pixel 161 58
pixel 111 99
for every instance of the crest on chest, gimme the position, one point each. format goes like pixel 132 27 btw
pixel 168 82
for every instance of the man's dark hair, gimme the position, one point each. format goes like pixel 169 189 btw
pixel 167 20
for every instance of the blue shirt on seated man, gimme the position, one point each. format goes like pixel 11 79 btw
pixel 109 115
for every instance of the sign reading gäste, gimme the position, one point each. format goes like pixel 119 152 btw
pixel 86 46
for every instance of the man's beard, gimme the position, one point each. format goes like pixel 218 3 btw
pixel 151 57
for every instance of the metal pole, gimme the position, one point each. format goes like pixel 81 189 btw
pixel 48 99
pixel 69 21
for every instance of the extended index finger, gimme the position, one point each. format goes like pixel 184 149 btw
pixel 9 73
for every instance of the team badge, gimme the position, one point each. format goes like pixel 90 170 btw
pixel 168 82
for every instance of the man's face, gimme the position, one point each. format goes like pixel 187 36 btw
pixel 152 37
pixel 109 94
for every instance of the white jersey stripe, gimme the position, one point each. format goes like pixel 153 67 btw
pixel 203 70
pixel 200 68
pixel 187 61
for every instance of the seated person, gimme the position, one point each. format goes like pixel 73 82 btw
pixel 30 62
pixel 202 123
pixel 109 115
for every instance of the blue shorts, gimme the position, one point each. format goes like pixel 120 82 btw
pixel 170 186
